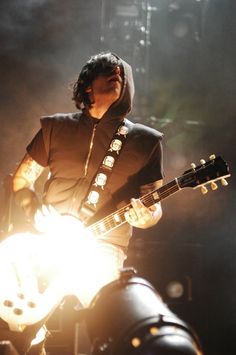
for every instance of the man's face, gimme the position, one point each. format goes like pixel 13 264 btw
pixel 106 88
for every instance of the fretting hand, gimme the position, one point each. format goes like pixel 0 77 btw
pixel 141 216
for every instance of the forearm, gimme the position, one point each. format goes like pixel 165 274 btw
pixel 26 174
pixel 19 183
pixel 23 186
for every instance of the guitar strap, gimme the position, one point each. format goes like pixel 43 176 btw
pixel 104 171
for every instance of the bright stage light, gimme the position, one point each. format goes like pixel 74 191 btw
pixel 38 270
pixel 175 289
pixel 30 289
pixel 85 264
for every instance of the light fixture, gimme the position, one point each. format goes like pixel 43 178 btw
pixel 128 317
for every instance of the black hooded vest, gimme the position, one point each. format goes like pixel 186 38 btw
pixel 64 145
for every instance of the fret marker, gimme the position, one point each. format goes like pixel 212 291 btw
pixel 155 195
pixel 116 218
pixel 102 227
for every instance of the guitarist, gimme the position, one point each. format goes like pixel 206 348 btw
pixel 99 161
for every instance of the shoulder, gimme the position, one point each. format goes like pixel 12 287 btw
pixel 141 130
pixel 60 118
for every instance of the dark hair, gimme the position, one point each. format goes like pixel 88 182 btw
pixel 99 64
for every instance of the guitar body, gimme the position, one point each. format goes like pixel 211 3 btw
pixel 30 287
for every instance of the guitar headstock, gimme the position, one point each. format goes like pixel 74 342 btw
pixel 208 172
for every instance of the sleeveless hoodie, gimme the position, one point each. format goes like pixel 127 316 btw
pixel 73 146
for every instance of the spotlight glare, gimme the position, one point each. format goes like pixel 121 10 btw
pixel 175 289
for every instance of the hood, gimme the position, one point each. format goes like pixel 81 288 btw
pixel 121 107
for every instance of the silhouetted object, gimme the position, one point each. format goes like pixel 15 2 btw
pixel 20 341
pixel 12 219
pixel 6 206
pixel 128 317
pixel 6 348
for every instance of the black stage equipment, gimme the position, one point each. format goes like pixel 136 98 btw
pixel 128 317
pixel 6 348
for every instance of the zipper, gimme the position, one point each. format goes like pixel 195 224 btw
pixel 90 150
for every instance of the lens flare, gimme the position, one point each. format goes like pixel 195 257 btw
pixel 38 270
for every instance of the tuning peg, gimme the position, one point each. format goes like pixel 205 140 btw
pixel 214 186
pixel 224 182
pixel 202 161
pixel 204 190
pixel 193 166
pixel 212 157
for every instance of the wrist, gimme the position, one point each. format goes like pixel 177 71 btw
pixel 24 196
pixel 28 201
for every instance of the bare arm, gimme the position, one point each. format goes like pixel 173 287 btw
pixel 27 173
pixel 23 186
pixel 140 216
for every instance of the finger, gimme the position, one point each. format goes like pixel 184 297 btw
pixel 139 209
pixel 133 214
pixel 39 221
pixel 45 210
pixel 53 211
pixel 136 203
pixel 142 209
pixel 131 217
pixel 38 215
pixel 127 217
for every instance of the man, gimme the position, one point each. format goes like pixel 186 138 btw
pixel 74 145
pixel 96 153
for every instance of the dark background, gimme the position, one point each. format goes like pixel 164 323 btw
pixel 185 74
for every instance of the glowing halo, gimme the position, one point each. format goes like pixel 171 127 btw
pixel 40 269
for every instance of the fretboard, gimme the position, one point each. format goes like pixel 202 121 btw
pixel 117 218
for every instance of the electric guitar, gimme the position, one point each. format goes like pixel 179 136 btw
pixel 207 173
pixel 23 303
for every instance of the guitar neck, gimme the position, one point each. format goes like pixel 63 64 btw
pixel 117 218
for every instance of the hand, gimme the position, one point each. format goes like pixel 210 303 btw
pixel 28 201
pixel 46 218
pixel 140 216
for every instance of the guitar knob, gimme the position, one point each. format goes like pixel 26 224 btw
pixel 18 311
pixel 224 182
pixel 31 304
pixel 8 303
pixel 214 186
pixel 202 161
pixel 212 157
pixel 204 190
pixel 193 166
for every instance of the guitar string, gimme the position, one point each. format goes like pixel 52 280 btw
pixel 147 199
